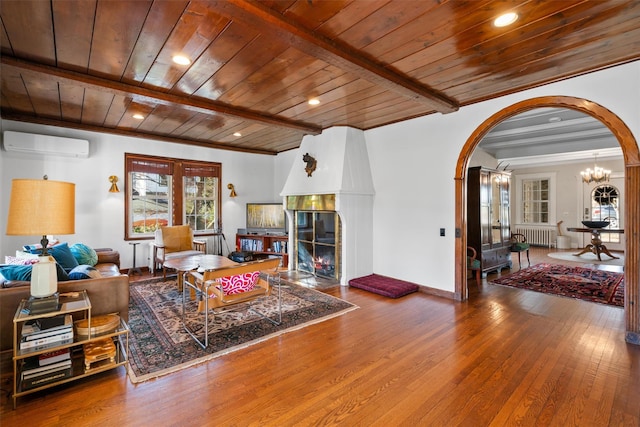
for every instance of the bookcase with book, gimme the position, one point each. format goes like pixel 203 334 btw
pixel 264 244
pixel 59 346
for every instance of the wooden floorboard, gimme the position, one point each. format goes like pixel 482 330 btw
pixel 504 357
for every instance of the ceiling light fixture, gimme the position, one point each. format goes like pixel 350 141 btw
pixel 181 60
pixel 597 174
pixel 314 101
pixel 237 134
pixel 505 19
pixel 138 116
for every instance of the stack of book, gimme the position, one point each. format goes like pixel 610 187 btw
pixel 46 368
pixel 46 332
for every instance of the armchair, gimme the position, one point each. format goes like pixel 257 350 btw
pixel 226 287
pixel 174 242
pixel 474 264
pixel 519 244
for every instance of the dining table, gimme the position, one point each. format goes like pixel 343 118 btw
pixel 596 246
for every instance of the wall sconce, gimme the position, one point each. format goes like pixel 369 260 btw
pixel 233 190
pixel 114 188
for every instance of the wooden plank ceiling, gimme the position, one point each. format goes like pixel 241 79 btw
pixel 93 64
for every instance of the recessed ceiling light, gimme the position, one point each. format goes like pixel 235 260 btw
pixel 505 19
pixel 314 101
pixel 138 116
pixel 181 60
pixel 237 134
pixel 554 119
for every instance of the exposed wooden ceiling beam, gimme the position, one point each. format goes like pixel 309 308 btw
pixel 340 55
pixel 130 133
pixel 154 96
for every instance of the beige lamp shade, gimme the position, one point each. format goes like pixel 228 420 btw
pixel 39 207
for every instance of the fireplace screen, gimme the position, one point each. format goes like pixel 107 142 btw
pixel 318 243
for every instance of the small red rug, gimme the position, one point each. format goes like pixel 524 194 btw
pixel 599 286
pixel 383 285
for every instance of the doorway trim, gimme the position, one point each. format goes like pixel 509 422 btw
pixel 631 154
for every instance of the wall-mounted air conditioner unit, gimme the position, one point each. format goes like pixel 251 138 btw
pixel 45 144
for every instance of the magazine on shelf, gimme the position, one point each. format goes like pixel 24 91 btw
pixel 61 338
pixel 46 326
pixel 54 356
pixel 31 368
pixel 46 377
pixel 48 333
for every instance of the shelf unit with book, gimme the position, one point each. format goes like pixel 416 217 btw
pixel 59 355
pixel 264 244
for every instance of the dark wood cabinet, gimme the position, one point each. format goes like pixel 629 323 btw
pixel 488 213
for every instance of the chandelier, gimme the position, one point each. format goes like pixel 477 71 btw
pixel 597 174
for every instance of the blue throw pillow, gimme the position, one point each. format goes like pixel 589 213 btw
pixel 63 276
pixel 16 272
pixel 84 254
pixel 63 256
pixel 84 272
pixel 23 272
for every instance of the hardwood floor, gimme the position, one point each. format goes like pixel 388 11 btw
pixel 504 357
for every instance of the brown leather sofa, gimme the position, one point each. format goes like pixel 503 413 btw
pixel 108 294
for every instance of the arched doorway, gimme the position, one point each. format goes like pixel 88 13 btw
pixel 631 155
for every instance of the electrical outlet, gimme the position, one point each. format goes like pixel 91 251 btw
pixel 442 232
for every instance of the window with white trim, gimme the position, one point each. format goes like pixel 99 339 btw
pixel 535 197
pixel 535 201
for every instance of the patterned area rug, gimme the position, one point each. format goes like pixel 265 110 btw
pixel 576 282
pixel 159 345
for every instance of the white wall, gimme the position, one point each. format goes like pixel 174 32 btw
pixel 482 158
pixel 100 214
pixel 413 165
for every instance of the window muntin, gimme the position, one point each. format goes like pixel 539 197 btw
pixel 605 201
pixel 535 201
pixel 200 197
pixel 150 202
pixel 164 191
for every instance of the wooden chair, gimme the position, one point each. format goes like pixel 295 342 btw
pixel 519 244
pixel 224 288
pixel 474 265
pixel 172 242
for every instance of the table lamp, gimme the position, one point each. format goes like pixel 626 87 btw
pixel 42 207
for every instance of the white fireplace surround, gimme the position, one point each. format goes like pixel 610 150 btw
pixel 342 169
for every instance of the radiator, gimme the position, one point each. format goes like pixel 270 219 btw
pixel 538 236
